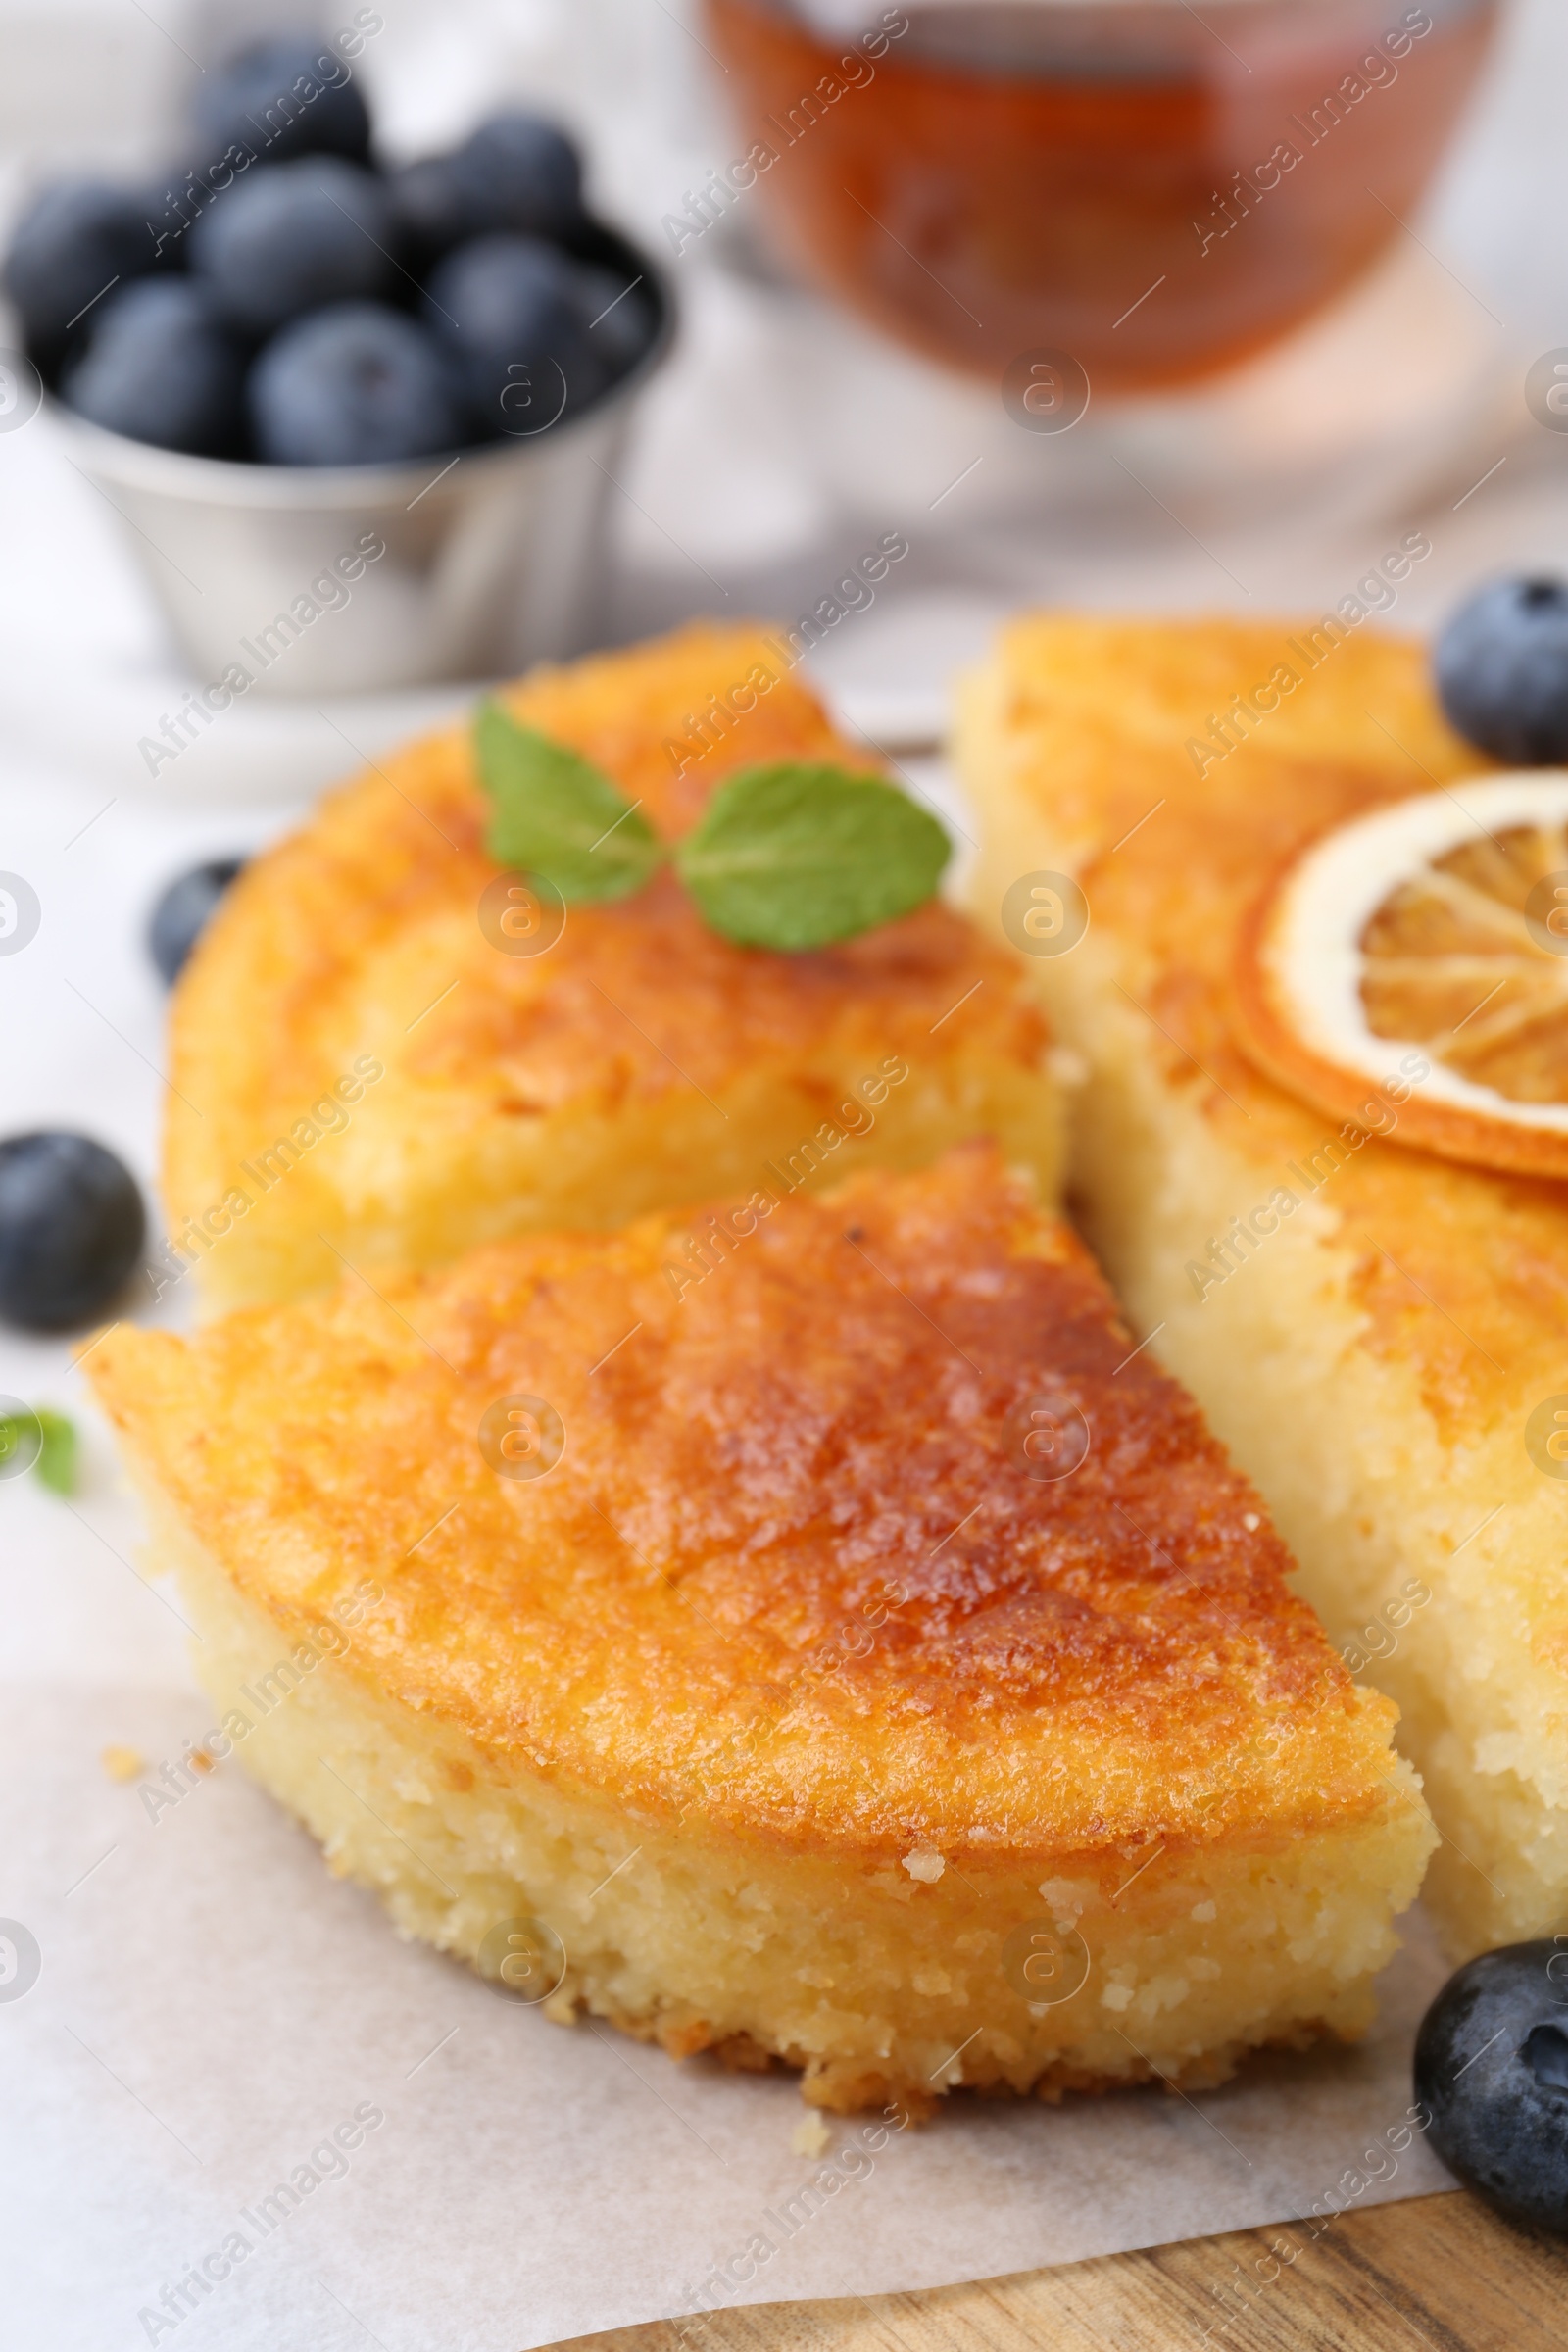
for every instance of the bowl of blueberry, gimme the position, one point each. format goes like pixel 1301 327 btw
pixel 361 420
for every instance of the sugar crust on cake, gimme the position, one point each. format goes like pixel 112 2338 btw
pixel 792 1633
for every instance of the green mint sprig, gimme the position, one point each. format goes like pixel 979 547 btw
pixel 791 855
pixel 46 1442
pixel 801 854
pixel 555 813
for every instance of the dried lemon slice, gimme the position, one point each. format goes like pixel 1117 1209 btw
pixel 1419 955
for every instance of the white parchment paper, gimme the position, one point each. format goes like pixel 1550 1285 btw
pixel 213 2007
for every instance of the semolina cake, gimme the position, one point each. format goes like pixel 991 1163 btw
pixel 368 1067
pixel 1368 1328
pixel 852 1654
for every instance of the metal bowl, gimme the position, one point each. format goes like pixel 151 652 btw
pixel 489 560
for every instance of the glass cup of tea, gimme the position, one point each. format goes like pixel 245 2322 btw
pixel 1150 191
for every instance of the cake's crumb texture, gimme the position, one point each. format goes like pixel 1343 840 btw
pixel 807 1717
pixel 1370 1329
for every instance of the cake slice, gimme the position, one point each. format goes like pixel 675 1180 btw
pixel 362 1069
pixel 808 1630
pixel 1367 1328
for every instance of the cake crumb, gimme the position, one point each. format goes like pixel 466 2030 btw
pixel 924 1865
pixel 1205 1912
pixel 810 2137
pixel 122 1763
pixel 1068 1900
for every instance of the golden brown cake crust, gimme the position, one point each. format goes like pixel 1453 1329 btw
pixel 1461 1272
pixel 359 935
pixel 792 1570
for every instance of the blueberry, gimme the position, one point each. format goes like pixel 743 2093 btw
pixel 359 384
pixel 76 238
pixel 431 210
pixel 515 173
pixel 282 98
pixel 286 241
pixel 618 313
pixel 1492 2063
pixel 161 366
pixel 1502 671
pixel 70 1229
pixel 182 911
pixel 183 193
pixel 521 172
pixel 507 312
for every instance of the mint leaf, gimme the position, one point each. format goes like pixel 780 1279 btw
pixel 556 815
pixel 56 1465
pixel 800 854
pixel 43 1442
pixel 21 1442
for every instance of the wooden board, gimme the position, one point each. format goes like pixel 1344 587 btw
pixel 1441 2270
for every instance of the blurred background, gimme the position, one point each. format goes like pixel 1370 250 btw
pixel 789 432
